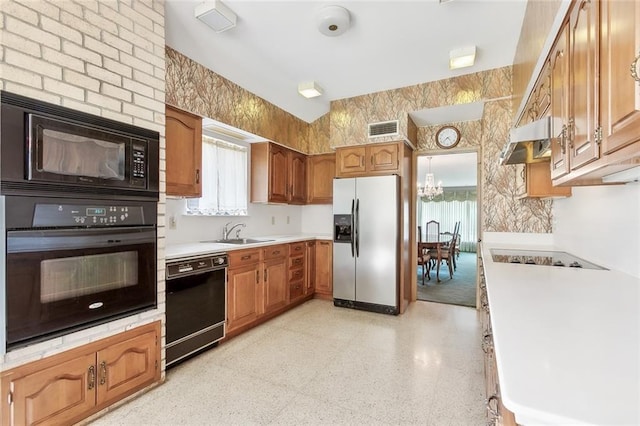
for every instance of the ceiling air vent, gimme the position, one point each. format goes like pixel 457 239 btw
pixel 383 128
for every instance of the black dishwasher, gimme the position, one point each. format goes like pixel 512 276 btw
pixel 196 305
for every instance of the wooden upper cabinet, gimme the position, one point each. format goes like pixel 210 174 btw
pixel 366 160
pixel 351 161
pixel 583 71
pixel 278 174
pixel 537 182
pixel 321 169
pixel 559 110
pixel 619 93
pixel 298 178
pixel 183 153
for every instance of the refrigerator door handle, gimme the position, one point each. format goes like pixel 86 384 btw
pixel 352 228
pixel 357 227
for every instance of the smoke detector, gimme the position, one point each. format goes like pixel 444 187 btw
pixel 333 20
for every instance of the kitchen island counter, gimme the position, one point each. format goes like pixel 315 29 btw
pixel 177 251
pixel 566 340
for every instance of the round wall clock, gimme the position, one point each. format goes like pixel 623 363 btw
pixel 447 137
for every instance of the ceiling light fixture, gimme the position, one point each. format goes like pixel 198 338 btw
pixel 461 58
pixel 333 20
pixel 309 89
pixel 429 189
pixel 216 14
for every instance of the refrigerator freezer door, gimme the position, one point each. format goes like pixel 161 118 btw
pixel 377 231
pixel 344 266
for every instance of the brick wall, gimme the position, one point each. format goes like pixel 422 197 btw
pixel 102 57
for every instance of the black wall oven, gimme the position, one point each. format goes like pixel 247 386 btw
pixel 80 197
pixel 61 277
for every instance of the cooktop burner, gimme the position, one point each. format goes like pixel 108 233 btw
pixel 541 257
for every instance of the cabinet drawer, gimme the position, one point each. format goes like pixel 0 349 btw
pixel 296 274
pixel 274 252
pixel 296 262
pixel 296 290
pixel 296 248
pixel 243 257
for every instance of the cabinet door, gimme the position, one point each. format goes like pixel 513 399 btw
pixel 538 182
pixel 310 262
pixel 321 169
pixel 324 268
pixel 620 93
pixel 584 62
pixel 183 153
pixel 383 158
pixel 560 104
pixel 350 161
pixel 297 178
pixel 276 287
pixel 243 284
pixel 278 174
pixel 126 367
pixel 61 394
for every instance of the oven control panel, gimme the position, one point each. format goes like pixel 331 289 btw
pixel 46 215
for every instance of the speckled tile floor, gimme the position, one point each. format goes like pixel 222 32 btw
pixel 322 365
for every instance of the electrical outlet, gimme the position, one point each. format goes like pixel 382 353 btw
pixel 273 220
pixel 172 222
pixel 288 220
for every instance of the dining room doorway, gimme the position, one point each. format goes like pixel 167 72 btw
pixel 448 194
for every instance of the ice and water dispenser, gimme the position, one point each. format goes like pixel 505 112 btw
pixel 342 228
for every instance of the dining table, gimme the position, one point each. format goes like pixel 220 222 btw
pixel 437 242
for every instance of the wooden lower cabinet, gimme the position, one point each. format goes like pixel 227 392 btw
pixel 68 387
pixel 310 270
pixel 243 288
pixel 324 269
pixel 297 270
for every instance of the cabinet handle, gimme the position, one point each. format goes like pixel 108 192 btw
pixel 275 252
pixel 265 275
pixel 92 377
pixel 487 403
pixel 197 175
pixel 563 138
pixel 257 277
pixel 486 343
pixel 324 243
pixel 103 372
pixel 245 257
pixel 634 68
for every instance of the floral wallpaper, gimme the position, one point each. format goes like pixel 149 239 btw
pixel 192 87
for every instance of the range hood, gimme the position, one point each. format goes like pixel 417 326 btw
pixel 528 143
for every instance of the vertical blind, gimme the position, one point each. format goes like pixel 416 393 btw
pixel 449 210
pixel 224 180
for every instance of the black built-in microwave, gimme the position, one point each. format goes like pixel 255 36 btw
pixel 47 149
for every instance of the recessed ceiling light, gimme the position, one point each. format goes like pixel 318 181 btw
pixel 461 58
pixel 309 89
pixel 216 15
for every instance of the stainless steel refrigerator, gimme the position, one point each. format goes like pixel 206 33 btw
pixel 366 248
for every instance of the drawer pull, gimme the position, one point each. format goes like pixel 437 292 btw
pixel 634 68
pixel 275 252
pixel 103 372
pixel 245 257
pixel 92 377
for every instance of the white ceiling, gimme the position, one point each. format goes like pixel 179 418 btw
pixel 390 44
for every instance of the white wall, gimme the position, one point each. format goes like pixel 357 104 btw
pixel 263 220
pixel 601 224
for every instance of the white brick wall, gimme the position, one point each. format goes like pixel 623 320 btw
pixel 101 57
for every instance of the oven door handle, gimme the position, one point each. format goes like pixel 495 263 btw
pixel 77 239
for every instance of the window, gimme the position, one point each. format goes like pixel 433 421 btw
pixel 224 180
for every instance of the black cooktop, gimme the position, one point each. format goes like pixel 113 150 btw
pixel 541 257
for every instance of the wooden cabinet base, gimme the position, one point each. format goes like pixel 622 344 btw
pixel 71 386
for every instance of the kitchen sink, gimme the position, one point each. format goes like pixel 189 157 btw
pixel 238 241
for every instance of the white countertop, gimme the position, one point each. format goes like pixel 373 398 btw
pixel 177 251
pixel 567 341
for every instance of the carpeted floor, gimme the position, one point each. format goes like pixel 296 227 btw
pixel 459 290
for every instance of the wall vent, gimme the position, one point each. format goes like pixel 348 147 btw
pixel 383 128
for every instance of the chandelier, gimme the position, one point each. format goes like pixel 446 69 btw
pixel 429 189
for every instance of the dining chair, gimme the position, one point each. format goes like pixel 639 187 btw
pixel 447 254
pixel 424 258
pixel 433 228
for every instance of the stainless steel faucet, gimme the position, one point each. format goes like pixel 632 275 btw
pixel 226 230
